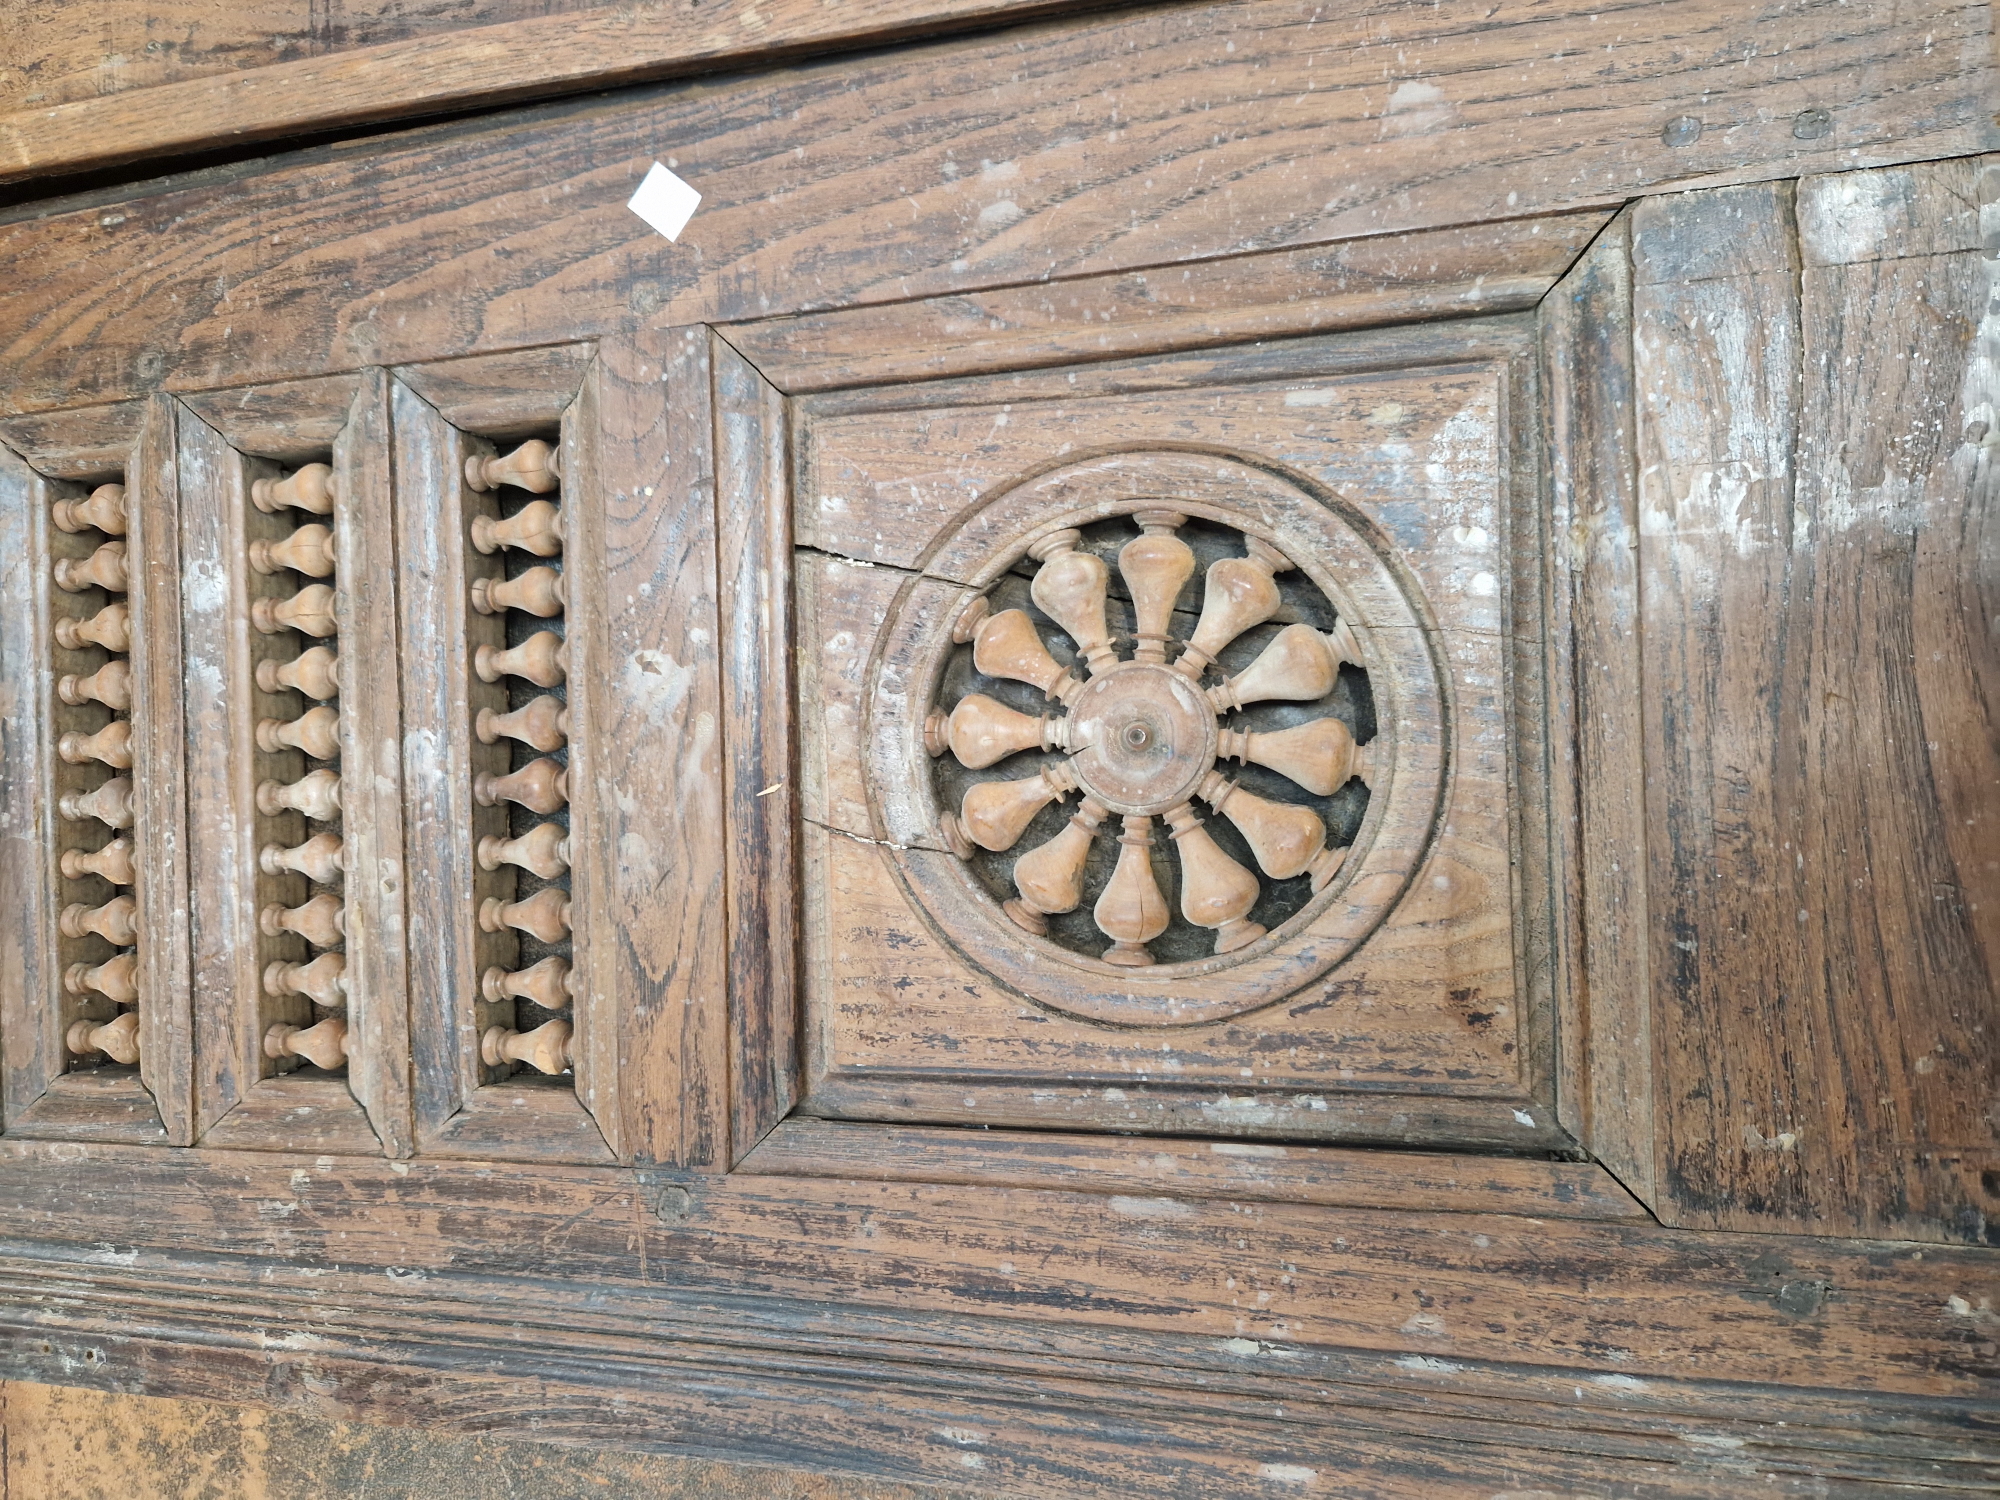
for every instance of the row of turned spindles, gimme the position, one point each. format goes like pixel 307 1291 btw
pixel 111 804
pixel 309 617
pixel 542 785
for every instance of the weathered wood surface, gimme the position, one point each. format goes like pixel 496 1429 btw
pixel 89 443
pixel 293 422
pixel 1815 565
pixel 1004 182
pixel 503 396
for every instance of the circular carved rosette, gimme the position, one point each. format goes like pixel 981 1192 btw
pixel 1168 749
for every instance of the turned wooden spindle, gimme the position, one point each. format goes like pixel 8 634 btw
pixel 104 510
pixel 110 627
pixel 1300 665
pixel 111 745
pixel 322 921
pixel 544 915
pixel 1007 645
pixel 310 489
pixel 535 528
pixel 547 984
pixel 534 467
pixel 319 858
pixel 1286 839
pixel 110 804
pixel 316 794
pixel 116 921
pixel 540 786
pixel 103 569
pixel 1050 878
pixel 1215 890
pixel 323 981
pixel 316 731
pixel 309 550
pixel 110 684
pixel 1070 588
pixel 1156 567
pixel 543 850
pixel 1239 592
pixel 1320 755
pixel 310 610
pixel 316 673
pixel 546 1049
pixel 325 1045
pixel 543 659
pixel 117 978
pixel 981 730
pixel 1130 910
pixel 113 862
pixel 117 1040
pixel 541 725
pixel 539 591
pixel 994 814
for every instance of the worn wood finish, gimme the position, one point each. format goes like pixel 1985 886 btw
pixel 90 443
pixel 1070 159
pixel 295 422
pixel 503 396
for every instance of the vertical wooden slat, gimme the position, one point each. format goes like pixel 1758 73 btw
pixel 754 526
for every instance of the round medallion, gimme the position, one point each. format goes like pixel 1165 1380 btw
pixel 1143 738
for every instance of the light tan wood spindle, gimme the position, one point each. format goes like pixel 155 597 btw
pixel 546 1049
pixel 1049 879
pixel 1070 588
pixel 1286 839
pixel 980 731
pixel 104 510
pixel 316 794
pixel 319 858
pixel 543 850
pixel 316 732
pixel 117 978
pixel 543 659
pixel 542 724
pixel 323 981
pixel 322 921
pixel 1156 567
pixel 1130 910
pixel 1007 645
pixel 309 489
pixel 536 528
pixel 1300 665
pixel 310 611
pixel 325 1045
pixel 544 915
pixel 103 569
pixel 541 786
pixel 117 1040
pixel 111 745
pixel 994 814
pixel 547 984
pixel 539 591
pixel 110 684
pixel 110 627
pixel 316 673
pixel 1216 891
pixel 116 921
pixel 111 804
pixel 1320 755
pixel 534 466
pixel 113 862
pixel 1239 592
pixel 309 550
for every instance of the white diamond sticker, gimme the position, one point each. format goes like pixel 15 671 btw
pixel 665 202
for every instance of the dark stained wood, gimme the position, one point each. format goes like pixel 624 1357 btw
pixel 88 443
pixel 503 396
pixel 293 422
pixel 874 211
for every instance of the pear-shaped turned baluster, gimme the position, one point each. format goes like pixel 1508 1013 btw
pixel 115 979
pixel 540 786
pixel 113 862
pixel 544 915
pixel 1070 588
pixel 1320 755
pixel 1050 878
pixel 1238 593
pixel 981 731
pixel 540 591
pixel 1155 567
pixel 316 731
pixel 547 984
pixel 546 1049
pixel 1007 645
pixel 110 627
pixel 534 467
pixel 116 921
pixel 310 489
pixel 322 921
pixel 325 1045
pixel 324 980
pixel 1287 839
pixel 542 724
pixel 1215 890
pixel 535 528
pixel 543 659
pixel 1130 910
pixel 110 804
pixel 994 814
pixel 310 610
pixel 317 795
pixel 104 509
pixel 316 673
pixel 112 745
pixel 110 684
pixel 103 569
pixel 1300 665
pixel 117 1040
pixel 543 850
pixel 319 858
pixel 309 550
